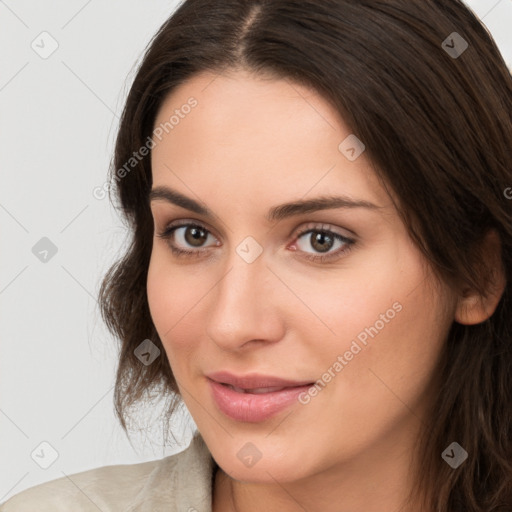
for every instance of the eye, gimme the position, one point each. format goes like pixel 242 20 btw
pixel 321 239
pixel 183 234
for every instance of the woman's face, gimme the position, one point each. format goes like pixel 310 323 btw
pixel 367 323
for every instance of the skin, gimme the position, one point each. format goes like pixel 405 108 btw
pixel 252 143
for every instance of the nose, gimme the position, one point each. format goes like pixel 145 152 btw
pixel 245 308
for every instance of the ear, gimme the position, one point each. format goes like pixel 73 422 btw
pixel 473 307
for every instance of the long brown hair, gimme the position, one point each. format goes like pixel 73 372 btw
pixel 437 125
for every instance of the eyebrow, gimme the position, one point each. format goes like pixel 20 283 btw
pixel 279 212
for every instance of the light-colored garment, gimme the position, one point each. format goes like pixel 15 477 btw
pixel 177 483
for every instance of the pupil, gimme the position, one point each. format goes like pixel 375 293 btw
pixel 321 239
pixel 197 235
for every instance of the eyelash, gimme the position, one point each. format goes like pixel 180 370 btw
pixel 169 231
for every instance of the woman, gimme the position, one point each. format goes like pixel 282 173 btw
pixel 319 197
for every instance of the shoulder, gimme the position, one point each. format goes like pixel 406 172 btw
pixel 100 488
pixel 171 483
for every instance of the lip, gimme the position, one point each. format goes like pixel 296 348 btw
pixel 255 380
pixel 251 407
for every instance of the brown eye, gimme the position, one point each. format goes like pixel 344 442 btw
pixel 186 239
pixel 321 241
pixel 195 235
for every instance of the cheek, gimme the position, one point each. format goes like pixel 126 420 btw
pixel 406 353
pixel 389 381
pixel 390 326
pixel 163 287
pixel 338 307
pixel 159 292
pixel 175 297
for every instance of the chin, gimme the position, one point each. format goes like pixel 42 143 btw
pixel 257 459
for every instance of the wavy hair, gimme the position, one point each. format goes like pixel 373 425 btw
pixel 438 129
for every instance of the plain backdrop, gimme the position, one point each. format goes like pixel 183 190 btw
pixel 58 120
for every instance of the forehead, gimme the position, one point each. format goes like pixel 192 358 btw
pixel 264 137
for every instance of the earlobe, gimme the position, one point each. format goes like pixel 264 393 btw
pixel 474 307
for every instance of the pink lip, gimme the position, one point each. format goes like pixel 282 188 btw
pixel 250 407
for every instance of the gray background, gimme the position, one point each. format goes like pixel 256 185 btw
pixel 57 126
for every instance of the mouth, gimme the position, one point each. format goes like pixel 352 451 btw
pixel 254 398
pixel 254 391
pixel 255 382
